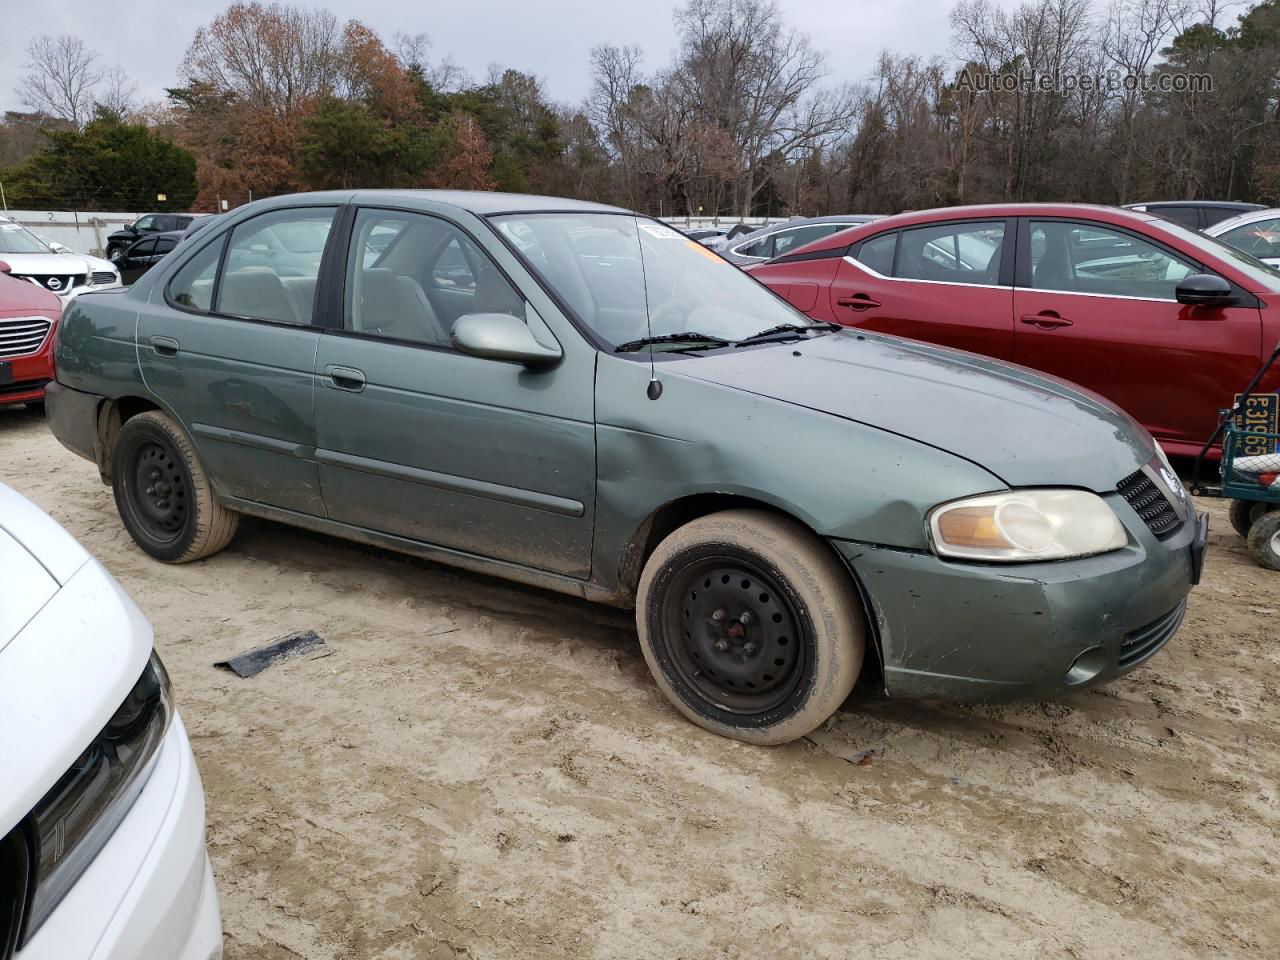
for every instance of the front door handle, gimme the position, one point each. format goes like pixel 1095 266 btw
pixel 165 346
pixel 859 301
pixel 346 378
pixel 1048 320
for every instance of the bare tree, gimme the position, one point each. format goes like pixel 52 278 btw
pixel 117 94
pixel 60 79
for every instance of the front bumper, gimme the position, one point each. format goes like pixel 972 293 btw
pixel 25 378
pixel 967 631
pixel 149 893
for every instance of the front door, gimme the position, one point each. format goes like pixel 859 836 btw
pixel 230 353
pixel 1095 304
pixel 947 283
pixel 420 441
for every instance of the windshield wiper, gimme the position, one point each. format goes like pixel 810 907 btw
pixel 786 331
pixel 693 339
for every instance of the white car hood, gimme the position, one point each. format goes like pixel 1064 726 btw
pixel 58 264
pixel 28 586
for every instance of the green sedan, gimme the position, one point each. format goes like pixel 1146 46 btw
pixel 573 396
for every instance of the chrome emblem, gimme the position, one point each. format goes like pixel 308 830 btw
pixel 53 283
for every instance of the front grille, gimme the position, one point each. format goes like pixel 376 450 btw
pixel 1140 644
pixel 1151 505
pixel 20 336
pixel 57 282
pixel 102 276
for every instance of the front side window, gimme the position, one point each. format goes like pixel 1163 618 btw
pixel 146 223
pixel 952 253
pixel 1092 258
pixel 143 248
pixel 627 278
pixel 1187 216
pixel 1260 239
pixel 762 248
pixel 272 264
pixel 165 245
pixel 410 276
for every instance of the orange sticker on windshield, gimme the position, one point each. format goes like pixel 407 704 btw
pixel 695 245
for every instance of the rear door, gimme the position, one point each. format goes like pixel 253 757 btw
pixel 948 283
pixel 420 441
pixel 1096 305
pixel 228 344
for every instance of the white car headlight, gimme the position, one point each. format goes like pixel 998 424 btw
pixel 1023 525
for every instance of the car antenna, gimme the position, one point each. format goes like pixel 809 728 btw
pixel 654 390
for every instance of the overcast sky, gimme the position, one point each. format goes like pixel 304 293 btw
pixel 549 38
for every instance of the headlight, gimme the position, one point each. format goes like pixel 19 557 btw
pixel 1024 525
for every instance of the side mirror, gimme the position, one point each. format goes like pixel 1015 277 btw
pixel 4 267
pixel 500 336
pixel 1204 290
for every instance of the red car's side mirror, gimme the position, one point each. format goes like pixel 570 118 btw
pixel 4 267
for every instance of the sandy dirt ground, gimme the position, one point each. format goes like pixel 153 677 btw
pixel 487 771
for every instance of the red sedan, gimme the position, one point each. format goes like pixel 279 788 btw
pixel 1165 322
pixel 28 315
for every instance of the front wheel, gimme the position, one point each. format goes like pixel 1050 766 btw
pixel 163 494
pixel 1264 540
pixel 750 626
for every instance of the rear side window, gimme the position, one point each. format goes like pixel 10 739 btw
pixel 165 244
pixel 952 253
pixel 144 248
pixel 192 285
pixel 272 264
pixel 877 253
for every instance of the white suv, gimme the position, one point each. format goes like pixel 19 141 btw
pixel 102 848
pixel 56 270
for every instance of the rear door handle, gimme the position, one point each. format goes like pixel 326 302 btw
pixel 346 378
pixel 859 301
pixel 1045 321
pixel 165 346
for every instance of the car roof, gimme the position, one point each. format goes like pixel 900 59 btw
pixel 480 202
pixel 1219 204
pixel 993 211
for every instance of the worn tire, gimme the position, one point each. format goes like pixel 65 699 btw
pixel 1264 540
pixel 1245 512
pixel 815 589
pixel 195 525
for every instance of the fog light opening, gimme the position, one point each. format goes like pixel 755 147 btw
pixel 1087 666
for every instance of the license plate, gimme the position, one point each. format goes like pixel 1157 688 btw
pixel 6 373
pixel 1261 414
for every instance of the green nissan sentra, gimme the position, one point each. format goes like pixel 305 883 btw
pixel 573 396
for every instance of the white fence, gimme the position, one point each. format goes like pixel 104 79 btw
pixel 79 231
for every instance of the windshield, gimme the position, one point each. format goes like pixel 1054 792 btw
pixel 609 267
pixel 17 239
pixel 1266 278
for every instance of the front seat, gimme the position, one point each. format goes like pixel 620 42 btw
pixel 396 306
pixel 1054 272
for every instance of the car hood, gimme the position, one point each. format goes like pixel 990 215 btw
pixel 1025 428
pixel 60 264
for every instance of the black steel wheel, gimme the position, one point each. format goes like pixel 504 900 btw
pixel 162 493
pixel 750 625
pixel 734 633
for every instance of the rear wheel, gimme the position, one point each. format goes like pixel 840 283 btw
pixel 750 626
pixel 1264 540
pixel 163 494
